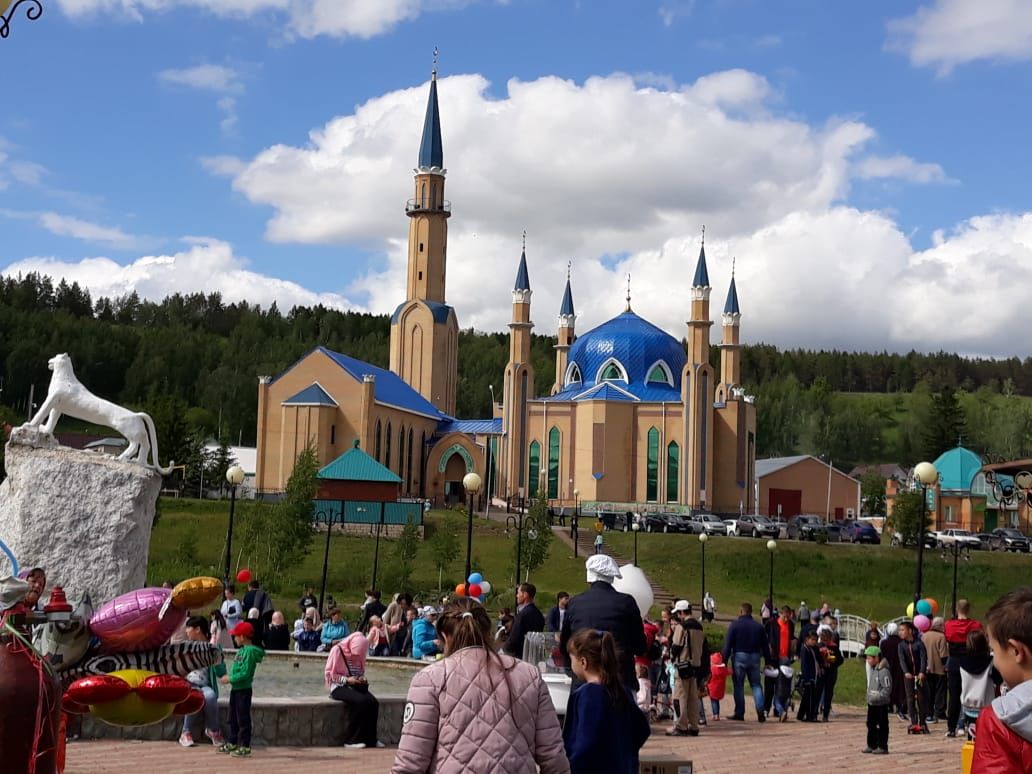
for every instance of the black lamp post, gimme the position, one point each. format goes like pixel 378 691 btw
pixel 33 12
pixel 772 546
pixel 516 523
pixel 573 521
pixel 376 551
pixel 955 549
pixel 472 483
pixel 926 474
pixel 235 477
pixel 635 527
pixel 703 537
pixel 326 554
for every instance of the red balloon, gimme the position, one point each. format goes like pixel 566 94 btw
pixel 244 576
pixel 98 689
pixel 475 590
pixel 73 707
pixel 165 689
pixel 460 590
pixel 193 703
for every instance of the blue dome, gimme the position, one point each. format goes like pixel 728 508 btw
pixel 958 468
pixel 635 347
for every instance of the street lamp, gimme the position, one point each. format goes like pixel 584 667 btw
pixel 703 537
pixel 33 12
pixel 926 473
pixel 472 483
pixel 772 546
pixel 516 522
pixel 326 553
pixel 235 477
pixel 635 527
pixel 573 521
pixel 376 551
pixel 955 549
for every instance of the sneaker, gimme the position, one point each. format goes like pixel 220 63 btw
pixel 186 739
pixel 903 716
pixel 216 737
pixel 226 747
pixel 951 734
pixel 693 732
pixel 867 750
pixel 241 752
pixel 881 751
pixel 761 717
pixel 675 731
pixel 356 746
pixel 380 745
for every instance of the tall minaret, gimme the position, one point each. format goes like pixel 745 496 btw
pixel 424 330
pixel 697 390
pixel 519 385
pixel 730 346
pixel 562 349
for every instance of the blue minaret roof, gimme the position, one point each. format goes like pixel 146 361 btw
pixel 567 306
pixel 431 150
pixel 731 305
pixel 701 275
pixel 522 276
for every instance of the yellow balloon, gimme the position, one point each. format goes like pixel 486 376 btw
pixel 131 710
pixel 910 610
pixel 195 593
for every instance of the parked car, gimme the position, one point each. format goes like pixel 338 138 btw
pixel 710 524
pixel 985 539
pixel 834 531
pixel 930 540
pixel 806 528
pixel 857 531
pixel 962 537
pixel 616 520
pixel 1008 539
pixel 782 526
pixel 756 526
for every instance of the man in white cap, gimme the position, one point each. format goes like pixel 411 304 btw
pixel 604 608
pixel 691 660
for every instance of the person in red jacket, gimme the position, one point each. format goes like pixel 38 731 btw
pixel 957 630
pixel 1003 739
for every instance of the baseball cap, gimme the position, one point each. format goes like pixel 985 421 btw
pixel 242 629
pixel 682 606
pixel 428 610
pixel 872 650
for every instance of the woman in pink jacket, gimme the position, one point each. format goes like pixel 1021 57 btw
pixel 345 677
pixel 476 711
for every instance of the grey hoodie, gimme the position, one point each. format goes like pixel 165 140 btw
pixel 879 684
pixel 1014 709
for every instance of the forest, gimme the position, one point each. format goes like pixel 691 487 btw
pixel 192 361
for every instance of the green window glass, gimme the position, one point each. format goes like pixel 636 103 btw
pixel 611 373
pixel 657 374
pixel 553 463
pixel 535 468
pixel 652 467
pixel 673 459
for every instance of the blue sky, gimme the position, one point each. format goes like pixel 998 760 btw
pixel 866 163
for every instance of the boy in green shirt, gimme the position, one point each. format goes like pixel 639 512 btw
pixel 240 678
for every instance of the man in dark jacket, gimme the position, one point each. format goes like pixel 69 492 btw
pixel 747 640
pixel 528 619
pixel 554 621
pixel 913 660
pixel 373 607
pixel 604 608
pixel 781 638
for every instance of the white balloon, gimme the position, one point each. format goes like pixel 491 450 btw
pixel 485 587
pixel 637 585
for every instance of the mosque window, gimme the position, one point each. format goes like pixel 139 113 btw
pixel 408 464
pixel 660 373
pixel 535 467
pixel 387 447
pixel 376 441
pixel 333 434
pixel 652 466
pixel 611 371
pixel 573 374
pixel 553 463
pixel 673 459
pixel 401 452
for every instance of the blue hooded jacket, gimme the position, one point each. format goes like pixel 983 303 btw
pixel 423 636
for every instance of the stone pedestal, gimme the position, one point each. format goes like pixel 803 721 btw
pixel 82 516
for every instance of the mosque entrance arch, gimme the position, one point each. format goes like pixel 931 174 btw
pixel 449 461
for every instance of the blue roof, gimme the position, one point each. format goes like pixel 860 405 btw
pixel 731 305
pixel 522 277
pixel 957 469
pixel 701 275
pixel 438 310
pixel 654 393
pixel 471 426
pixel 356 465
pixel 312 395
pixel 431 149
pixel 567 306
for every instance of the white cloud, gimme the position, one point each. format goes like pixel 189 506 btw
pixel 900 168
pixel 206 77
pixel 228 106
pixel 223 166
pixel 206 265
pixel 948 33
pixel 65 225
pixel 672 10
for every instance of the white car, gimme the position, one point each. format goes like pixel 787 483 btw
pixel 960 536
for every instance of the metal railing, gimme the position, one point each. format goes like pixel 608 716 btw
pixel 426 205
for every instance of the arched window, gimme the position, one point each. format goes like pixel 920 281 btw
pixel 652 466
pixel 673 460
pixel 401 453
pixel 611 370
pixel 408 464
pixel 535 467
pixel 376 441
pixel 387 447
pixel 553 463
pixel 704 427
pixel 660 373
pixel 610 373
pixel 422 463
pixel 573 374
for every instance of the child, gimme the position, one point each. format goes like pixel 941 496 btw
pixel 978 680
pixel 604 729
pixel 717 686
pixel 810 672
pixel 205 680
pixel 308 637
pixel 240 678
pixel 879 696
pixel 832 661
pixel 377 636
pixel 1004 739
pixel 662 692
pixel 644 695
pixel 913 660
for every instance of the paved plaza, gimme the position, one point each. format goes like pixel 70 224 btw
pixel 724 746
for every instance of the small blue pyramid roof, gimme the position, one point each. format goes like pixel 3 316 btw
pixel 356 465
pixel 312 395
pixel 522 276
pixel 431 149
pixel 701 274
pixel 567 305
pixel 731 305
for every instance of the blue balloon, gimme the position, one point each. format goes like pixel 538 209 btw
pixel 924 607
pixel 475 577
pixel 480 599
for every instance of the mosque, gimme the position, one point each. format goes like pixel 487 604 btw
pixel 633 421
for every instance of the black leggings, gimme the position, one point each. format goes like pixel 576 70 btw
pixel 240 717
pixel 830 678
pixel 362 713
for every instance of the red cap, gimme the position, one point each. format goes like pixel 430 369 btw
pixel 243 629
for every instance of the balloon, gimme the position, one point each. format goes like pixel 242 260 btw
pixel 475 577
pixel 244 576
pixel 196 593
pixel 97 688
pixel 167 689
pixel 637 585
pixel 460 590
pixel 193 703
pixel 923 607
pixel 910 610
pixel 73 707
pixel 485 587
pixel 934 604
pixel 922 622
pixel 475 590
pixel 140 620
pixel 480 599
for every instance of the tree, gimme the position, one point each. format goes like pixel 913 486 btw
pixel 405 549
pixel 537 538
pixel 943 424
pixel 872 493
pixel 444 548
pixel 905 520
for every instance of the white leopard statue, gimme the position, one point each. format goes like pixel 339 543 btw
pixel 67 395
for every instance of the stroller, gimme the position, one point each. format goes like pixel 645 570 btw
pixel 783 689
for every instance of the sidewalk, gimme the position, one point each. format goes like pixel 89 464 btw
pixel 724 746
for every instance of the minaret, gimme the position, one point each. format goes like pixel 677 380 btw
pixel 519 385
pixel 424 330
pixel 697 390
pixel 730 346
pixel 562 349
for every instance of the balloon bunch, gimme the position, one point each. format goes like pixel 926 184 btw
pixel 922 613
pixel 478 587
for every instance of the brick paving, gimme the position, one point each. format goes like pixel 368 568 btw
pixel 724 746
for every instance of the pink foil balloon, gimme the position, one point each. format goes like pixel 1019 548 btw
pixel 133 621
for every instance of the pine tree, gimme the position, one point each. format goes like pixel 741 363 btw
pixel 943 424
